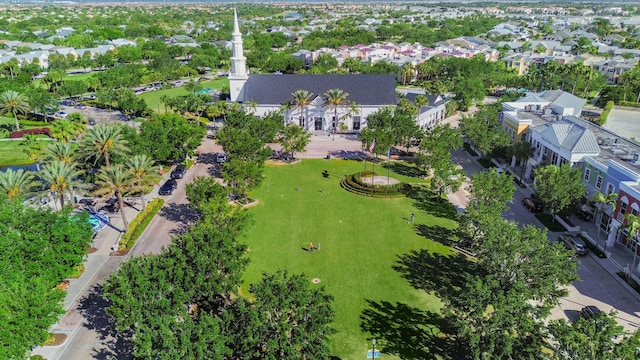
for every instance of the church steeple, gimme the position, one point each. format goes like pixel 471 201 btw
pixel 238 61
pixel 238 75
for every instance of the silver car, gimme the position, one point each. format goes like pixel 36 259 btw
pixel 577 245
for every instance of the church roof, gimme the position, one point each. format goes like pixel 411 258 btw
pixel 363 89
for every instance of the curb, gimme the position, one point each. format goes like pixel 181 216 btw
pixel 614 275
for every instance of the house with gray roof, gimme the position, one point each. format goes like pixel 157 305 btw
pixel 270 92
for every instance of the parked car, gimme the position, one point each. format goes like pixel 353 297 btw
pixel 577 245
pixel 92 122
pixel 178 172
pixel 168 187
pixel 590 312
pixel 531 204
pixel 221 157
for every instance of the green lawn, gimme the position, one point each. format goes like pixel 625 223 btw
pixel 362 240
pixel 153 98
pixel 11 154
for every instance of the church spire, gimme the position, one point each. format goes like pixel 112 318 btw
pixel 238 75
pixel 238 61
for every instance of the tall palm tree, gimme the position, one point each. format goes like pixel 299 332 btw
pixel 335 99
pixel 103 141
pixel 16 182
pixel 352 111
pixel 145 173
pixel 60 151
pixel 114 180
pixel 602 201
pixel 302 99
pixel 522 151
pixel 61 178
pixel 631 223
pixel 15 103
pixel 33 148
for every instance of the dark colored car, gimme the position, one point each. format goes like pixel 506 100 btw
pixel 532 205
pixel 221 157
pixel 168 187
pixel 577 245
pixel 590 312
pixel 92 122
pixel 178 172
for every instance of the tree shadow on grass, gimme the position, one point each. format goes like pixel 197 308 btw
pixel 115 345
pixel 404 169
pixel 430 202
pixel 438 233
pixel 445 276
pixel 405 331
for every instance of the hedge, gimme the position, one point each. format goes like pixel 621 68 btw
pixel 605 114
pixel 37 131
pixel 630 104
pixel 354 184
pixel 139 223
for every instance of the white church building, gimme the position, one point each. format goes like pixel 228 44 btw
pixel 270 92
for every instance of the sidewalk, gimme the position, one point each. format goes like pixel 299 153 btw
pixel 72 320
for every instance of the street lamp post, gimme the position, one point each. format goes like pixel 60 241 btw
pixel 373 348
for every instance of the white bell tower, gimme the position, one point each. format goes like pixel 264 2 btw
pixel 238 75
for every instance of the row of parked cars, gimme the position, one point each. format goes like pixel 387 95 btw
pixel 171 184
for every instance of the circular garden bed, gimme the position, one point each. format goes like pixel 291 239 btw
pixel 368 183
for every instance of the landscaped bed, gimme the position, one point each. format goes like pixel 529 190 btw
pixel 361 240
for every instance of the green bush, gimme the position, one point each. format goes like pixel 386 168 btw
pixel 605 114
pixel 630 104
pixel 33 123
pixel 139 223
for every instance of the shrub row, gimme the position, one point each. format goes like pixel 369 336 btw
pixel 139 223
pixel 630 103
pixel 37 131
pixel 595 249
pixel 355 180
pixel 605 114
pixel 361 192
pixel 32 123
pixel 629 281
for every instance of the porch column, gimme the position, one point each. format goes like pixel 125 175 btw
pixel 527 171
pixel 513 161
pixel 540 154
pixel 613 233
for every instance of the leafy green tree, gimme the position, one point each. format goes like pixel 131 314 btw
pixel 16 183
pixel 115 180
pixel 483 130
pixel 492 323
pixel 102 142
pixel 468 90
pixel 60 179
pixel 490 191
pixel 631 224
pixel 204 188
pixel 166 137
pixel 15 103
pixel 288 319
pixel 558 186
pixel 523 256
pixel 51 243
pixel 599 338
pixel 435 156
pixel 41 100
pixel 144 174
pixel 294 139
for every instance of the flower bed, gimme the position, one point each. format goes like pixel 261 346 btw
pixel 37 131
pixel 139 223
